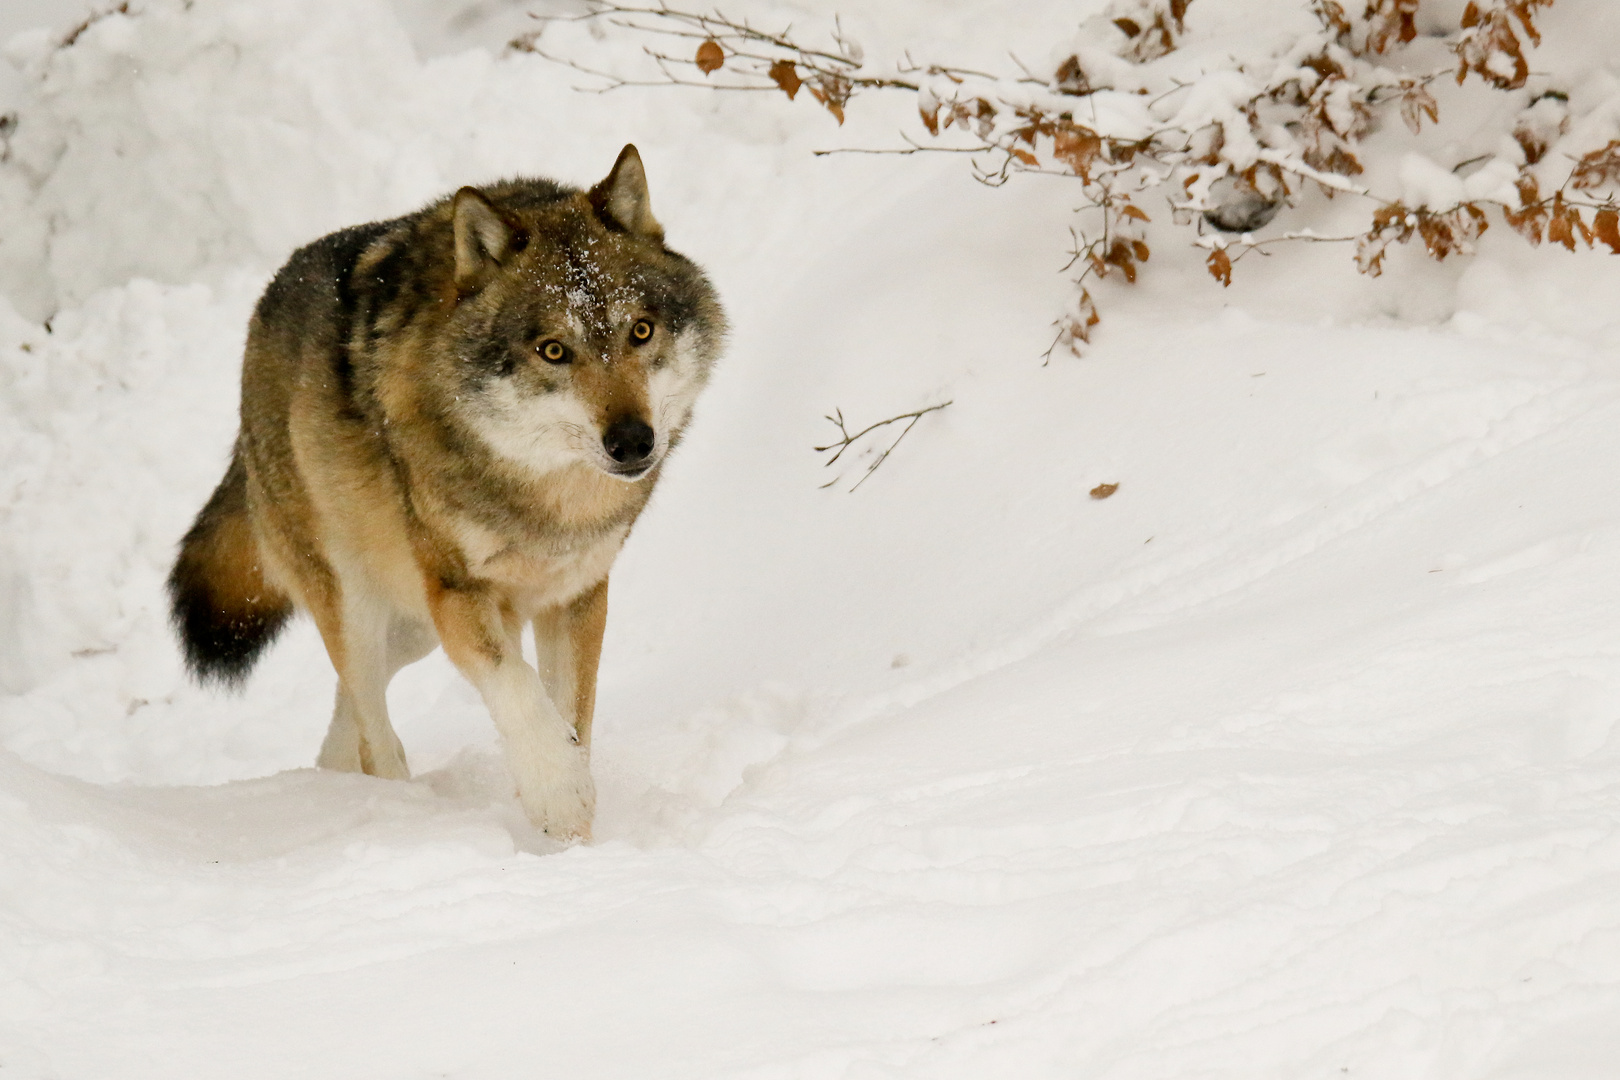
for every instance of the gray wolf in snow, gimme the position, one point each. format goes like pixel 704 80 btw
pixel 449 423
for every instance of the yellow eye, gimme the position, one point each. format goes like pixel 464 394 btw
pixel 554 352
pixel 641 333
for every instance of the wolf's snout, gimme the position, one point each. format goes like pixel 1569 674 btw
pixel 628 441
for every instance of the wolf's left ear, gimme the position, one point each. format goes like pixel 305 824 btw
pixel 484 238
pixel 621 200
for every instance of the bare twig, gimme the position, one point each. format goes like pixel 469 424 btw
pixel 913 148
pixel 709 27
pixel 90 20
pixel 766 60
pixel 845 440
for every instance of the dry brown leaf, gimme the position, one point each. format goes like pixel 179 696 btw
pixel 1559 232
pixel 1390 21
pixel 1121 255
pixel 785 75
pixel 1071 77
pixel 1328 154
pixel 710 57
pixel 1533 143
pixel 1102 491
pixel 1488 39
pixel 1087 316
pixel 1606 227
pixel 1560 229
pixel 1076 328
pixel 1392 223
pixel 1078 148
pixel 1531 217
pixel 1333 17
pixel 1220 266
pixel 1598 168
pixel 1416 103
pixel 832 92
pixel 1528 222
pixel 1525 12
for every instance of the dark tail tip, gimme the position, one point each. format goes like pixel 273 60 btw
pixel 220 646
pixel 223 609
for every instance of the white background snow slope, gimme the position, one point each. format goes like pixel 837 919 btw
pixel 1296 758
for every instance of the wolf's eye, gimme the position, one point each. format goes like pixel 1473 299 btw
pixel 641 333
pixel 554 352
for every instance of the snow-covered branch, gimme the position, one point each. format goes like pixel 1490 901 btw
pixel 1225 147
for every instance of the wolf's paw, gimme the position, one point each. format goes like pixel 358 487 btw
pixel 386 761
pixel 563 800
pixel 339 758
pixel 341 750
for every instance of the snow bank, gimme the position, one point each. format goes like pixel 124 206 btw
pixel 204 135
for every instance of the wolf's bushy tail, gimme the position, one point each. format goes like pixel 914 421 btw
pixel 220 602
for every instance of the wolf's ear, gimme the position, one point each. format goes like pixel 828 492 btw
pixel 484 238
pixel 621 200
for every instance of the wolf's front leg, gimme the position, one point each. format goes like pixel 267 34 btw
pixel 550 766
pixel 568 645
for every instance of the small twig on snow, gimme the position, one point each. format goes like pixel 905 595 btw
pixel 845 440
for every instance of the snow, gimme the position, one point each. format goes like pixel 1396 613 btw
pixel 1216 100
pixel 1295 757
pixel 1425 183
pixel 21 15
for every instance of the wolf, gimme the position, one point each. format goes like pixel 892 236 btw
pixel 449 423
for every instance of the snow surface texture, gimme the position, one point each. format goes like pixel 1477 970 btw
pixel 1295 758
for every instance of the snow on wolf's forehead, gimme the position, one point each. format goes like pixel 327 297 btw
pixel 596 299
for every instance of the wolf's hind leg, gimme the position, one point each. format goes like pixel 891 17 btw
pixel 341 748
pixel 408 642
pixel 360 643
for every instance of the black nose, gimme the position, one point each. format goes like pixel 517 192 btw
pixel 628 440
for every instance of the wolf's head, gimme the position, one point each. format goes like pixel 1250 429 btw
pixel 578 337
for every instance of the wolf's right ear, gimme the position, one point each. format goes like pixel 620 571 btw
pixel 484 238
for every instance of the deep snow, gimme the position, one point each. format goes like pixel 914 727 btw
pixel 1297 757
